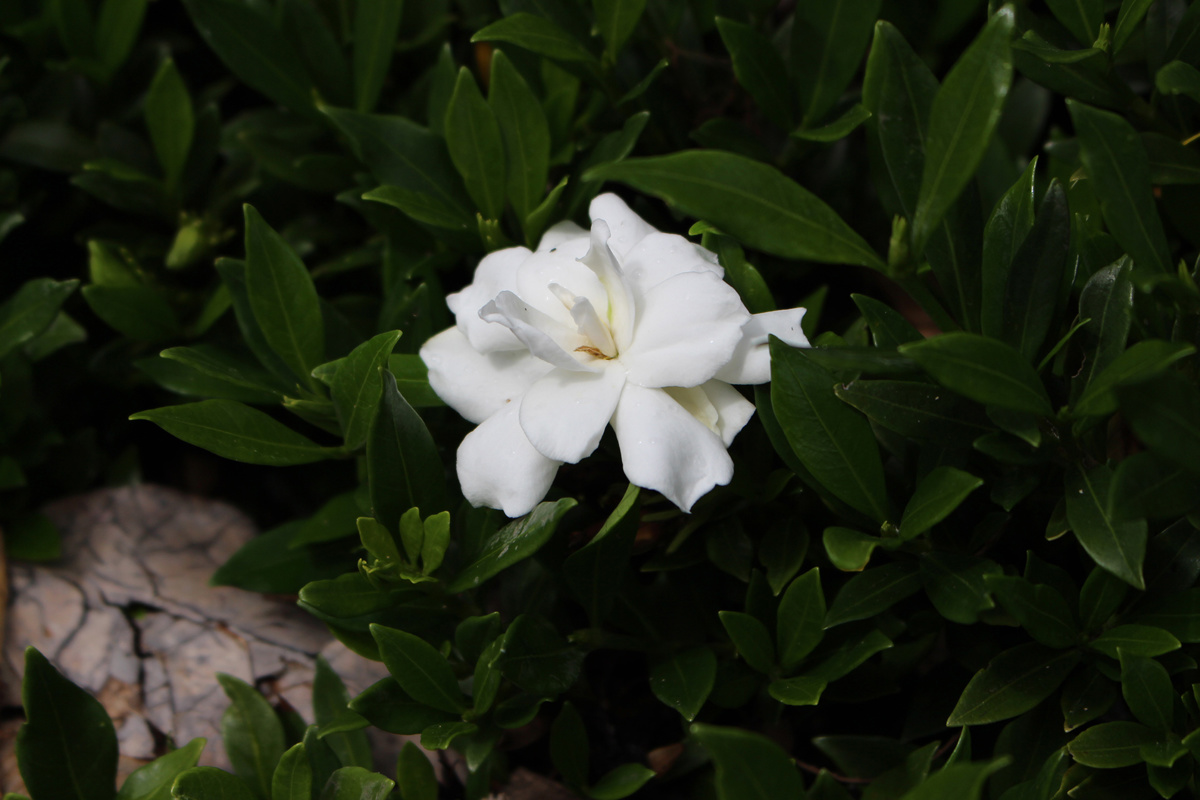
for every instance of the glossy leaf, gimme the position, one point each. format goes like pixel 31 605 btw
pixel 422 672
pixel 514 542
pixel 252 734
pixel 917 410
pixel 617 19
pixel 1148 692
pixel 475 144
pixel 1107 303
pixel 168 112
pixel 537 658
pixel 872 591
pixel 751 638
pixel 1005 232
pixel 1035 275
pixel 1012 683
pixel 965 781
pixel 800 621
pixel 1111 744
pixel 827 45
pixel 138 312
pixel 569 746
pixel 293 776
pixel 415 777
pixel 749 765
pixel 834 443
pixel 210 783
pixel 760 69
pixel 526 135
pixel 1081 17
pixel 236 431
pixel 684 679
pixel 1165 414
pixel 117 27
pixel 750 201
pixel 536 34
pixel 595 571
pixel 403 466
pixel 1118 546
pixel 357 387
pixel 1146 359
pixel 957 585
pixel 802 690
pixel 936 496
pixel 1135 640
pixel 390 708
pixel 376 23
pixel 356 783
pixel 620 782
pixel 849 652
pixel 1087 695
pixel 850 550
pixel 1039 608
pixel 982 369
pixel 1177 614
pixel 31 310
pixel 330 706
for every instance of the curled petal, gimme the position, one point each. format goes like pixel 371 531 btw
pixel 475 384
pixel 546 338
pixel 751 360
pixel 687 328
pixel 565 413
pixel 660 256
pixel 665 448
pixel 496 273
pixel 499 468
pixel 542 270
pixel 559 234
pixel 733 410
pixel 626 227
pixel 601 260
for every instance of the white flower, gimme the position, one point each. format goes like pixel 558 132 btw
pixel 626 326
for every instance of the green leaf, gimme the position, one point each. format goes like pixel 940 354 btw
pixel 1118 546
pixel 847 655
pixel 1086 696
pixel 850 550
pixel 827 44
pixel 873 591
pixel 357 783
pixel 1165 414
pixel 620 782
pixel 751 638
pixel 254 50
pixel 267 564
pixel 515 542
pixel 1148 692
pixel 437 539
pixel 936 496
pixel 964 114
pixel 210 783
pixel 1035 275
pixel 236 431
pixel 760 69
pixel 1119 171
pixel 982 369
pixel 116 31
pixel 748 200
pixel 415 777
pixel 441 735
pixel 537 659
pixel 1012 683
pixel 139 312
pixel 1005 232
pixel 403 466
pixel 1135 640
pixel 252 734
pixel 617 19
pixel 331 704
pixel 800 621
pixel 749 765
pixel 684 679
pixel 1111 744
pixel 614 147
pixel 357 387
pixel 293 776
pixel 1040 609
pixel 1178 77
pixel 803 690
pixel 169 118
pixel 1130 15
pixel 1100 597
pixel 526 136
pixel 1177 614
pixel 67 747
pixel 917 410
pixel 422 672
pixel 840 128
pixel 389 708
pixel 1145 360
pixel 476 146
pixel 283 298
pixel 569 746
pixel 960 781
pixel 538 35
pixel 595 571
pixel 226 368
pixel 1081 17
pixel 153 781
pixel 31 310
pixel 305 24
pixel 957 584
pixel 1107 302
pixel 376 23
pixel 412 378
pixel 782 551
pixel 32 537
pixel 833 442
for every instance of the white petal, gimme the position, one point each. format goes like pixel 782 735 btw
pixel 546 338
pixel 601 260
pixel 687 328
pixel 565 413
pixel 496 273
pixel 560 234
pixel 733 410
pixel 627 228
pixel 499 468
pixel 541 270
pixel 660 256
pixel 474 384
pixel 665 448
pixel 751 360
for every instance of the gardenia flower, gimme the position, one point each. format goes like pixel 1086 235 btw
pixel 624 326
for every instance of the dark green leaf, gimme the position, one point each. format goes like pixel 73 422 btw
pixel 414 774
pixel 31 310
pixel 749 765
pixel 917 410
pixel 1006 229
pixel 537 35
pixel 827 44
pixel 1035 275
pixel 117 28
pixel 1147 690
pixel 960 781
pixel 750 201
pixel 1178 77
pixel 293 776
pixel 475 144
pixel 982 369
pixel 936 496
pixel 253 50
pixel 422 672
pixel 751 638
pixel 537 659
pixel 67 747
pixel 210 783
pixel 1177 614
pixel 1118 546
pixel 957 584
pixel 1130 15
pixel 526 136
pixel 595 571
pixel 389 708
pixel 168 112
pixel 376 23
pixel 226 368
pixel 236 431
pixel 683 680
pixel 800 622
pixel 514 542
pixel 614 147
pixel 1165 414
pixel 840 128
pixel 1040 609
pixel 833 442
pixel 616 20
pixel 252 734
pixel 267 564
pixel 1119 172
pixel 1087 695
pixel 1081 17
pixel 357 387
pixel 620 782
pixel 850 550
pixel 569 746
pixel 283 298
pixel 1144 360
pixel 331 704
pixel 32 537
pixel 964 114
pixel 1107 302
pixel 782 552
pixel 1111 744
pixel 356 783
pixel 1171 162
pixel 139 312
pixel 849 653
pixel 802 690
pixel 760 69
pixel 1012 683
pixel 153 781
pixel 873 591
pixel 403 467
pixel 743 276
pixel 1136 640
pixel 319 44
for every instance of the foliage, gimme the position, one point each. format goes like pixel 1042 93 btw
pixel 948 565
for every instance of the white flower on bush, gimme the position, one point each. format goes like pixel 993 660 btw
pixel 626 326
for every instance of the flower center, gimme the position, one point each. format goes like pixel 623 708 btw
pixel 589 324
